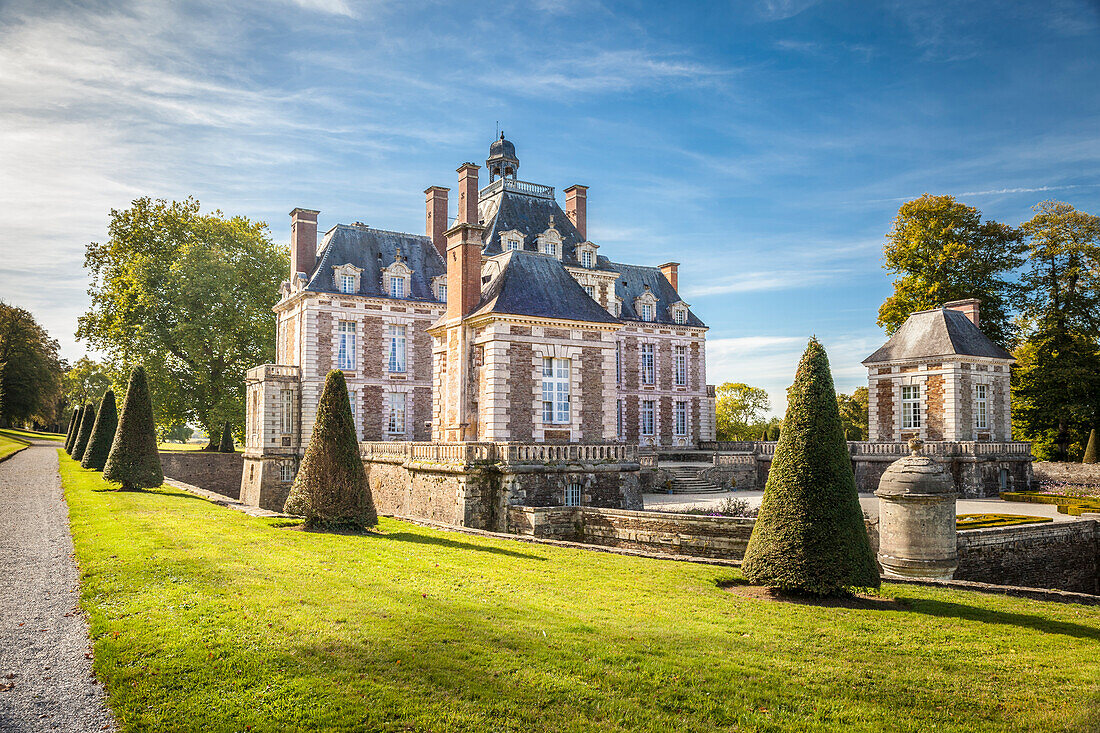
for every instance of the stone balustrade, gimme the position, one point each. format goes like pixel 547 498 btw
pixel 865 448
pixel 504 453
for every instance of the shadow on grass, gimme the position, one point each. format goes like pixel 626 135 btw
pixel 946 609
pixel 169 493
pixel 419 539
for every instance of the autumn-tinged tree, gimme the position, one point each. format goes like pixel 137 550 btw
pixel 941 250
pixel 188 296
pixel 740 410
pixel 1056 383
pixel 30 369
pixel 853 413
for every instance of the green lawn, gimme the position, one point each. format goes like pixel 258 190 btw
pixel 9 444
pixel 25 434
pixel 206 619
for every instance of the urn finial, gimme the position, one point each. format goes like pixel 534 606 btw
pixel 915 445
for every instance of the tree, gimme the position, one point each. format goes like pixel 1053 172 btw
pixel 1056 384
pixel 853 413
pixel 30 369
pixel 71 429
pixel 86 381
pixel 1092 450
pixel 330 489
pixel 178 433
pixel 739 407
pixel 941 251
pixel 134 461
pixel 226 445
pixel 188 296
pixel 809 536
pixel 87 422
pixel 103 433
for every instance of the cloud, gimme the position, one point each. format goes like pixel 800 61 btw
pixel 771 10
pixel 754 282
pixel 332 7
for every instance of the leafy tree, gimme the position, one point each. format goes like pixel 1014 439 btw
pixel 134 461
pixel 810 536
pixel 178 433
pixel 87 422
pixel 86 381
pixel 103 433
pixel 1092 450
pixel 739 407
pixel 1056 383
pixel 941 250
pixel 853 413
pixel 226 445
pixel 330 489
pixel 30 369
pixel 189 297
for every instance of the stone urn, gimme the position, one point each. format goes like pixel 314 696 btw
pixel 916 500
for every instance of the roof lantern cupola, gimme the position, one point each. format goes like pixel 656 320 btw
pixel 502 161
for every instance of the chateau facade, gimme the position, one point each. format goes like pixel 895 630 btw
pixel 501 324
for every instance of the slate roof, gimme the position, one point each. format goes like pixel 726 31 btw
pixel 631 284
pixel 530 215
pixel 531 284
pixel 935 333
pixel 372 250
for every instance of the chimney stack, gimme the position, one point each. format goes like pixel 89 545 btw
pixel 576 208
pixel 303 242
pixel 467 194
pixel 671 273
pixel 968 307
pixel 436 216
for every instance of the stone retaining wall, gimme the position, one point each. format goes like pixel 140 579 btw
pixel 1063 555
pixel 220 472
pixel 1080 474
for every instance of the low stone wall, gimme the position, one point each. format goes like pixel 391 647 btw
pixel 220 472
pixel 1077 474
pixel 1064 555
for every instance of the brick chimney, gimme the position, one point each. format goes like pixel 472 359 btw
pixel 303 242
pixel 968 307
pixel 467 194
pixel 436 217
pixel 576 208
pixel 671 272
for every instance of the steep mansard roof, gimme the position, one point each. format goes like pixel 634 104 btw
pixel 371 250
pixel 529 214
pixel 632 283
pixel 532 284
pixel 937 333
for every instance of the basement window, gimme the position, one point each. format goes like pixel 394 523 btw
pixel 573 494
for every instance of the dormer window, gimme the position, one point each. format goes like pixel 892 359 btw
pixel 586 254
pixel 679 311
pixel 441 293
pixel 511 240
pixel 346 278
pixel 647 312
pixel 397 287
pixel 586 258
pixel 645 305
pixel 397 277
pixel 550 241
pixel 513 244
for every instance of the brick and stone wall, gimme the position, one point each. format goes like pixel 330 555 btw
pixel 1077 474
pixel 220 472
pixel 1063 555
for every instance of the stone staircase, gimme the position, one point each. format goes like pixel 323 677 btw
pixel 685 480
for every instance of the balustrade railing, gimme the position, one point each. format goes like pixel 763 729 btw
pixel 511 184
pixel 507 453
pixel 865 448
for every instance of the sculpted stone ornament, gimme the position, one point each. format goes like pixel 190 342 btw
pixel 917 518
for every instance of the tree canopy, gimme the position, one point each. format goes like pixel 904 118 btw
pixel 189 297
pixel 87 380
pixel 853 413
pixel 30 369
pixel 941 251
pixel 740 409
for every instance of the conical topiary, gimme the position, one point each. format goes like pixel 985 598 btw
pixel 87 422
pixel 76 428
pixel 103 434
pixel 134 461
pixel 810 536
pixel 331 489
pixel 70 433
pixel 1092 449
pixel 226 445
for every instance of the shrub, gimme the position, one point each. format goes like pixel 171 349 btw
pixel 1092 450
pixel 810 536
pixel 134 461
pixel 87 422
pixel 330 489
pixel 103 434
pixel 980 521
pixel 70 434
pixel 226 445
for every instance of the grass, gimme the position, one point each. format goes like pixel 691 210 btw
pixel 25 434
pixel 205 619
pixel 980 521
pixel 10 445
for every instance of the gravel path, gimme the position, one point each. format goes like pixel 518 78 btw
pixel 46 681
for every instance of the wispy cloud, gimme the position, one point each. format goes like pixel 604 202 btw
pixel 754 282
pixel 782 9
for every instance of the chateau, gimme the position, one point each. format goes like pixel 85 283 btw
pixel 503 324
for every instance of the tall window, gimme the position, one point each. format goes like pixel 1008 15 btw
pixel 648 417
pixel 287 400
pixel 648 368
pixel 286 471
pixel 347 283
pixel 981 407
pixel 680 365
pixel 397 287
pixel 647 312
pixel 352 400
pixel 619 418
pixel 555 390
pixel 619 362
pixel 679 315
pixel 397 413
pixel 346 347
pixel 586 258
pixel 910 406
pixel 591 290
pixel 396 338
pixel 442 292
pixel 573 494
pixel 680 418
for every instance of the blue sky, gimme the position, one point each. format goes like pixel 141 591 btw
pixel 765 145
